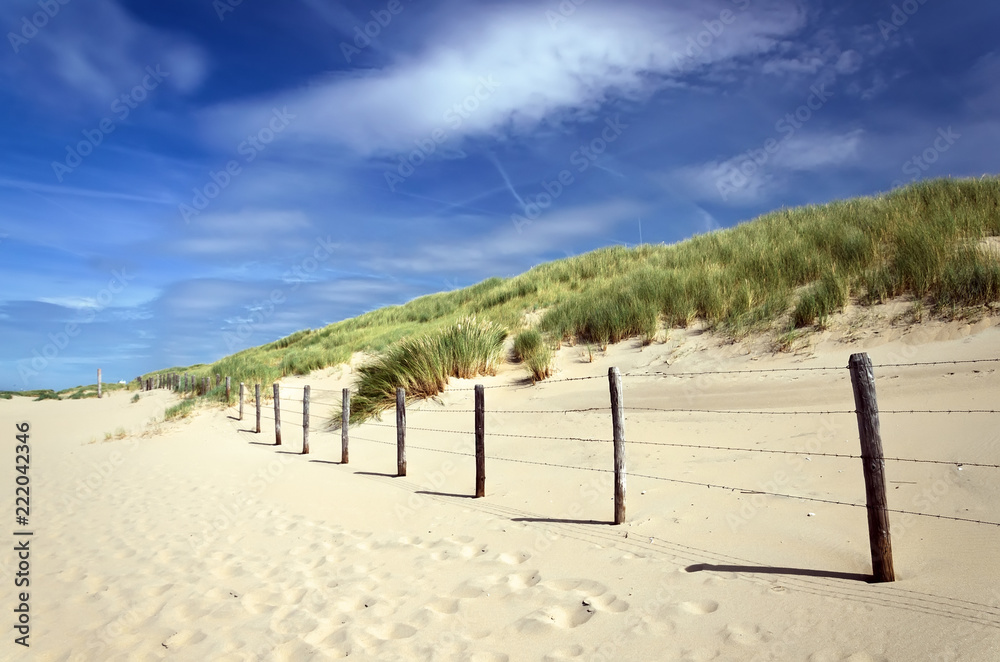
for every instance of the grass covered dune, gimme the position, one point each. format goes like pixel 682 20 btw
pixel 784 270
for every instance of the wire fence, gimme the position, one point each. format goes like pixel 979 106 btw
pixel 293 406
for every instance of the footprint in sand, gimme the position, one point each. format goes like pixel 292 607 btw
pixel 489 657
pixel 185 638
pixel 388 631
pixel 443 606
pixel 294 621
pixel 564 653
pixel 608 602
pixel 543 620
pixel 517 558
pixel 587 586
pixel 698 608
pixel 746 635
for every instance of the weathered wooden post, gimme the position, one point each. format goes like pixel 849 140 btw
pixel 480 442
pixel 98 383
pixel 185 389
pixel 256 398
pixel 218 379
pixel 618 421
pixel 277 417
pixel 228 389
pixel 242 388
pixel 345 422
pixel 305 420
pixel 863 381
pixel 400 431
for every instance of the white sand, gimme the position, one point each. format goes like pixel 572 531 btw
pixel 203 542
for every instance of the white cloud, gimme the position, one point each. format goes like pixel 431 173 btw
pixel 505 248
pixel 524 71
pixel 249 232
pixel 813 152
pixel 99 51
pixel 756 175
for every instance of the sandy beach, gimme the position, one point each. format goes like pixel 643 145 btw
pixel 199 539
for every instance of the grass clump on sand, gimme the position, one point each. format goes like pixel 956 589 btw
pixel 422 365
pixel 531 350
pixel 181 410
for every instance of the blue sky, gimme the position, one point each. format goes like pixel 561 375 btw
pixel 182 180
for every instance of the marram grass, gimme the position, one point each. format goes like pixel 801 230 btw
pixel 422 365
pixel 788 268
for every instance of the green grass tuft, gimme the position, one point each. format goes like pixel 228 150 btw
pixel 423 365
pixel 531 350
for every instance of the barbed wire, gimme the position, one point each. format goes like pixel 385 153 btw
pixel 805 498
pixel 927 363
pixel 697 484
pixel 525 384
pixel 748 371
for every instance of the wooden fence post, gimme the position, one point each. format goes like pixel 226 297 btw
pixel 256 399
pixel 863 381
pixel 242 388
pixel 228 389
pixel 400 431
pixel 305 420
pixel 480 442
pixel 277 417
pixel 98 383
pixel 345 423
pixel 185 389
pixel 618 421
pixel 218 379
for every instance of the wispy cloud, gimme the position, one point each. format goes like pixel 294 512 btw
pixel 98 50
pixel 755 176
pixel 469 81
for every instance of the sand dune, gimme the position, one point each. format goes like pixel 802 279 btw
pixel 201 541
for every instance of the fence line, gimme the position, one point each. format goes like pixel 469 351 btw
pixel 861 372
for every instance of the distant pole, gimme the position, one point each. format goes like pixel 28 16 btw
pixel 305 420
pixel 345 422
pixel 400 432
pixel 256 398
pixel 228 389
pixel 242 388
pixel 480 442
pixel 218 379
pixel 618 421
pixel 863 381
pixel 277 417
pixel 98 383
pixel 185 388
